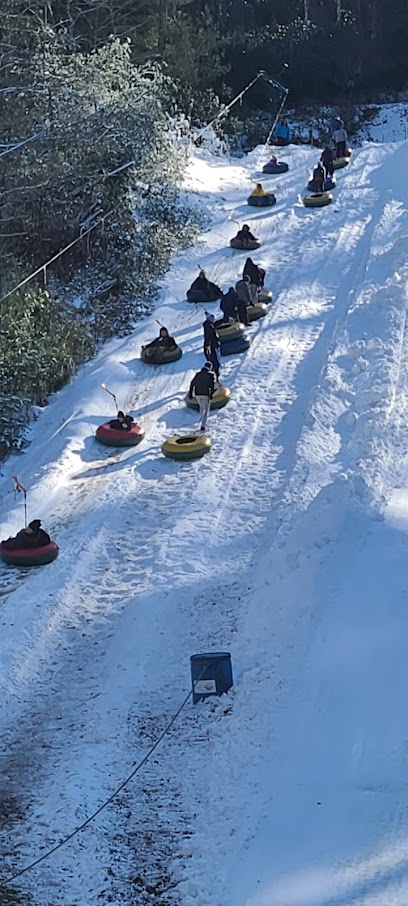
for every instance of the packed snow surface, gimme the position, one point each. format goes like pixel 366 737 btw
pixel 287 546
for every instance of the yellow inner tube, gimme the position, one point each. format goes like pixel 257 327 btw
pixel 186 446
pixel 220 398
pixel 317 200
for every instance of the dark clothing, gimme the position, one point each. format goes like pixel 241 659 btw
pixel 211 354
pixel 124 425
pixel 242 312
pixel 229 305
pixel 245 234
pixel 256 274
pixel 162 343
pixel 327 161
pixel 211 345
pixel 24 539
pixel 335 123
pixel 211 339
pixel 340 149
pixel 203 384
pixel 211 290
pixel 319 176
pixel 247 292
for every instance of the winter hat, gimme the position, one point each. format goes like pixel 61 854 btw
pixel 209 316
pixel 207 366
pixel 121 414
pixel 35 525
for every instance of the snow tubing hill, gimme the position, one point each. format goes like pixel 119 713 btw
pixel 234 347
pixel 318 200
pixel 220 399
pixel 280 167
pixel 119 437
pixel 261 201
pixel 340 162
pixel 227 331
pixel 186 447
pixel 245 245
pixel 165 357
pixel 256 311
pixel 197 295
pixel 30 556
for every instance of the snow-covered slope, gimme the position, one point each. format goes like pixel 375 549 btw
pixel 286 545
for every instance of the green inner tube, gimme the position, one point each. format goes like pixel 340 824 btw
pixel 230 331
pixel 257 311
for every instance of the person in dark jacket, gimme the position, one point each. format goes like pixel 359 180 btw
pixel 211 290
pixel 245 234
pixel 335 123
pixel 32 536
pixel 161 344
pixel 256 274
pixel 246 292
pixel 122 422
pixel 229 305
pixel 202 387
pixel 326 158
pixel 211 343
pixel 319 176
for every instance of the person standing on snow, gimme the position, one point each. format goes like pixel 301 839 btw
pixel 202 387
pixel 211 343
pixel 340 139
pixel 319 176
pixel 246 292
pixel 326 158
pixel 229 305
pixel 256 274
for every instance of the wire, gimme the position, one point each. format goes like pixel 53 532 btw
pixel 283 101
pixel 43 267
pixel 226 109
pixel 9 878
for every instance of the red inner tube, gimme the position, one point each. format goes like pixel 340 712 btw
pixel 33 552
pixel 105 430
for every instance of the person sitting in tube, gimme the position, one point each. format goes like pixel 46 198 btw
pixel 259 191
pixel 122 422
pixel 203 285
pixel 245 234
pixel 163 342
pixel 31 536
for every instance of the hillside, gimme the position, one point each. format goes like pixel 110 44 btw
pixel 286 546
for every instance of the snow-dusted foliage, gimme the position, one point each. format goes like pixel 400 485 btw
pixel 103 162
